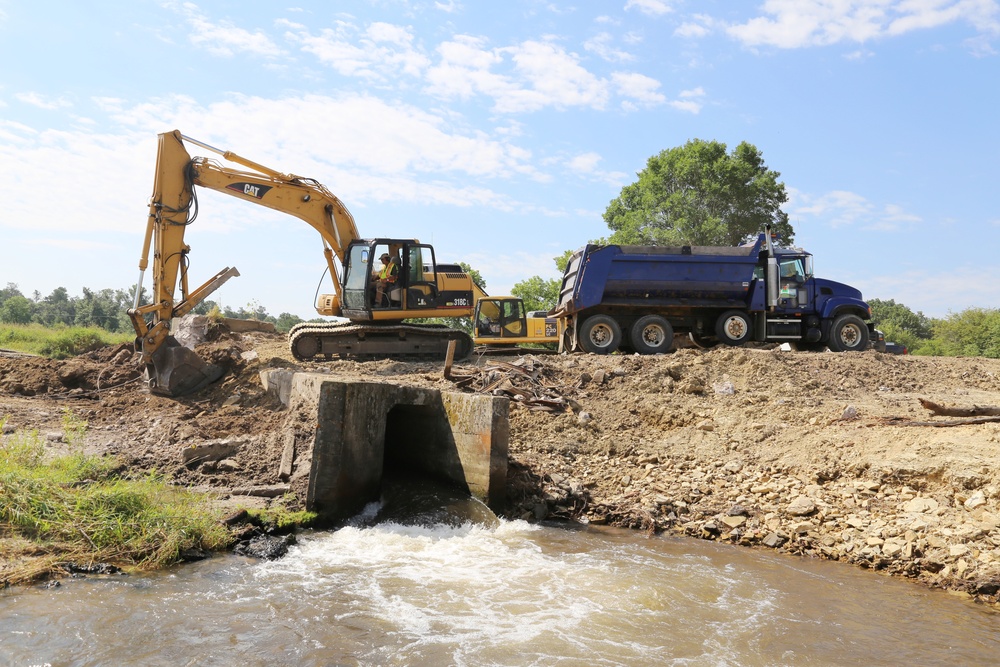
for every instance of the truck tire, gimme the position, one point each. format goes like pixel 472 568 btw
pixel 651 334
pixel 600 334
pixel 702 341
pixel 849 333
pixel 733 327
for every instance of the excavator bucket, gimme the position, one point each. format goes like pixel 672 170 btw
pixel 176 370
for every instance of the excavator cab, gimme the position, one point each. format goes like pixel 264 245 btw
pixel 387 279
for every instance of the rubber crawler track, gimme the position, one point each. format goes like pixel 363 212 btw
pixel 408 336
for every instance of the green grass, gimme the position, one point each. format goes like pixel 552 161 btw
pixel 57 342
pixel 82 508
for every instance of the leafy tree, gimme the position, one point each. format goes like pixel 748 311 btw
pixel 698 194
pixel 8 292
pixel 56 308
pixel 101 309
pixel 538 293
pixel 900 324
pixel 887 314
pixel 475 275
pixel 286 321
pixel 17 310
pixel 975 332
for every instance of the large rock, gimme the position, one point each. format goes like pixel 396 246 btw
pixel 801 506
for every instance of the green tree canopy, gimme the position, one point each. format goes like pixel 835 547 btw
pixel 895 318
pixel 698 194
pixel 537 293
pixel 16 310
pixel 974 332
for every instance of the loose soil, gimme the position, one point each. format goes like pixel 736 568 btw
pixel 817 454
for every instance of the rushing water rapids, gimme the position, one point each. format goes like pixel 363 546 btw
pixel 508 594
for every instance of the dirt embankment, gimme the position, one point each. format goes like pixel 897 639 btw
pixel 825 455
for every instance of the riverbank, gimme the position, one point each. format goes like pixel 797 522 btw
pixel 822 455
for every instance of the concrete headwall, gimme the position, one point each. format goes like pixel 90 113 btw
pixel 361 429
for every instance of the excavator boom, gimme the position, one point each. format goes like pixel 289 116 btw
pixel 376 327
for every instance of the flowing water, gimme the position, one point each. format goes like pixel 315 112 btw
pixel 510 593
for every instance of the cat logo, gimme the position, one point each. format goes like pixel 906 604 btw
pixel 249 189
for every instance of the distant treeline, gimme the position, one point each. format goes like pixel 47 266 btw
pixel 105 309
pixel 974 332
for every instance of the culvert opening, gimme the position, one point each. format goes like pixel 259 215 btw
pixel 422 481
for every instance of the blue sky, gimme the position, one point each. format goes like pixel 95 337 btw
pixel 499 131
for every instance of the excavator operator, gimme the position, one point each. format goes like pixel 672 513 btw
pixel 386 278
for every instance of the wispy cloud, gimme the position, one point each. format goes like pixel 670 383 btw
pixel 690 101
pixel 225 39
pixel 638 87
pixel 537 74
pixel 651 7
pixel 792 24
pixel 602 45
pixel 840 208
pixel 43 101
pixel 381 51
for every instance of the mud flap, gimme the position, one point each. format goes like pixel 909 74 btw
pixel 177 370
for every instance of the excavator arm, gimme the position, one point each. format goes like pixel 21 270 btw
pixel 172 369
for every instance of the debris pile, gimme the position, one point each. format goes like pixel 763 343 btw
pixel 523 380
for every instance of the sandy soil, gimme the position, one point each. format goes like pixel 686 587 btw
pixel 818 454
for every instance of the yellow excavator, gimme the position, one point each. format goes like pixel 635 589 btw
pixel 378 282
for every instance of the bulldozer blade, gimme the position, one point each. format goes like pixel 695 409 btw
pixel 176 370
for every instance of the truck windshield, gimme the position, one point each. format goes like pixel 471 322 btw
pixel 792 269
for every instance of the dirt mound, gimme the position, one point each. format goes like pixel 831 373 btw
pixel 814 453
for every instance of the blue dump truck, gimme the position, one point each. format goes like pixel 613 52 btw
pixel 635 298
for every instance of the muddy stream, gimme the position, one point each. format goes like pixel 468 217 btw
pixel 509 594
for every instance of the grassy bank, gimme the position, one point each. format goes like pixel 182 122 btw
pixel 84 509
pixel 57 342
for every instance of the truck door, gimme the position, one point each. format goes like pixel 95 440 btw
pixel 791 283
pixel 357 271
pixel 512 321
pixel 421 277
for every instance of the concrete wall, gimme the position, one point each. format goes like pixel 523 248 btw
pixel 361 429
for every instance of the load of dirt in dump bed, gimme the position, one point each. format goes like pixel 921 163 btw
pixel 819 454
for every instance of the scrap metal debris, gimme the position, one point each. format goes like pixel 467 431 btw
pixel 521 380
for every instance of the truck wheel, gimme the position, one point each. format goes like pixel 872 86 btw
pixel 600 334
pixel 701 341
pixel 733 327
pixel 849 333
pixel 651 334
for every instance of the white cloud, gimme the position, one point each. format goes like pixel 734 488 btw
pixel 449 7
pixel 638 87
pixel 651 7
pixel 793 24
pixel 540 74
pixel 697 27
pixel 225 39
pixel 938 293
pixel 586 165
pixel 840 208
pixel 601 45
pixel 690 101
pixel 381 51
pixel 42 101
pixel 364 149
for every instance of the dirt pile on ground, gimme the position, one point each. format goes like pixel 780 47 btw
pixel 819 454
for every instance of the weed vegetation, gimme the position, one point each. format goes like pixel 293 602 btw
pixel 81 509
pixel 60 342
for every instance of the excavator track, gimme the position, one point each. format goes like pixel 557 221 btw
pixel 319 341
